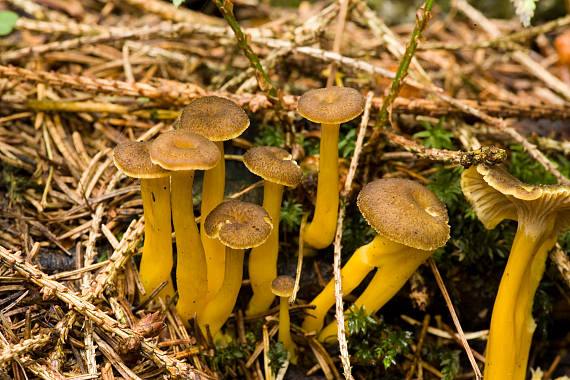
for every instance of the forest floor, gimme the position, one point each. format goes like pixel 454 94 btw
pixel 79 77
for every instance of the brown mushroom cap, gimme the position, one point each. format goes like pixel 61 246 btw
pixel 215 118
pixel 238 224
pixel 405 212
pixel 274 165
pixel 184 150
pixel 331 105
pixel 283 286
pixel 133 159
pixel 496 195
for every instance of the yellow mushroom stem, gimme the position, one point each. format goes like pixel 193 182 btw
pixel 394 269
pixel 219 308
pixel 191 260
pixel 379 252
pixel 263 259
pixel 285 329
pixel 512 325
pixel 156 261
pixel 212 195
pixel 320 232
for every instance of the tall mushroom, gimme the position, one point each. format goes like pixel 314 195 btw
pixel 329 106
pixel 277 168
pixel 133 159
pixel 542 212
pixel 217 119
pixel 282 287
pixel 238 225
pixel 411 223
pixel 182 152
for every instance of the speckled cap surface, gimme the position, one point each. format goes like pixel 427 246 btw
pixel 331 105
pixel 273 164
pixel 215 118
pixel 496 195
pixel 238 224
pixel 133 159
pixel 405 212
pixel 283 286
pixel 184 150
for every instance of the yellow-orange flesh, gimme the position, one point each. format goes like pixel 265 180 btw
pixel 191 260
pixel 219 308
pixel 285 329
pixel 320 232
pixel 156 261
pixel 263 259
pixel 512 325
pixel 212 195
pixel 358 266
pixel 394 269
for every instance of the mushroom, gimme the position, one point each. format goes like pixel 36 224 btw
pixel 182 152
pixel 282 287
pixel 542 212
pixel 277 168
pixel 133 159
pixel 329 106
pixel 238 225
pixel 217 119
pixel 411 223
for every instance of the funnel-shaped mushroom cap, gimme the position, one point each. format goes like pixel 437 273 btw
pixel 331 105
pixel 133 159
pixel 283 286
pixel 496 195
pixel 405 212
pixel 215 118
pixel 238 224
pixel 274 165
pixel 184 150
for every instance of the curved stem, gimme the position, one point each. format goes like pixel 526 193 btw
pixel 213 188
pixel 358 266
pixel 156 262
pixel 320 232
pixel 191 261
pixel 393 272
pixel 219 308
pixel 285 329
pixel 263 259
pixel 512 312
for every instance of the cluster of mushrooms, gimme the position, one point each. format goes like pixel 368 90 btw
pixel 410 221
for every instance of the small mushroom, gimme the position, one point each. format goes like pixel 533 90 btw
pixel 277 168
pixel 542 213
pixel 217 119
pixel 329 106
pixel 282 287
pixel 182 152
pixel 411 223
pixel 133 159
pixel 238 225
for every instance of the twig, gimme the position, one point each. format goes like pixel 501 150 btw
pixel 338 237
pixel 445 294
pixel 338 39
pixel 28 345
pixel 299 261
pixel 560 258
pixel 226 9
pixel 174 367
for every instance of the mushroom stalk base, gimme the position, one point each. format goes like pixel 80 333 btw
pixel 263 259
pixel 213 188
pixel 512 325
pixel 219 308
pixel 156 262
pixel 358 266
pixel 285 329
pixel 320 232
pixel 191 261
pixel 392 273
